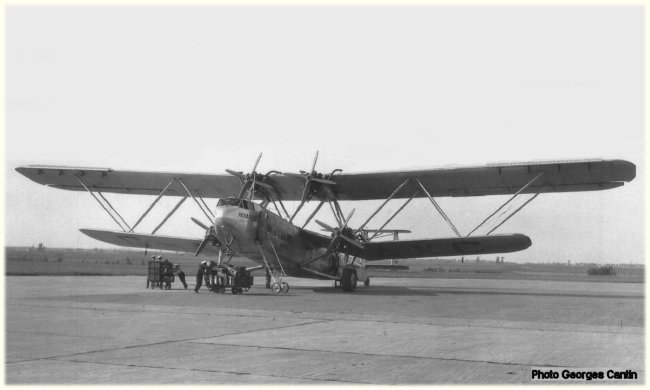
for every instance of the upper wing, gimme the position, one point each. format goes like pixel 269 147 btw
pixel 441 182
pixel 456 246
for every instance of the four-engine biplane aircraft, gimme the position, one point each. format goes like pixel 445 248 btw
pixel 246 225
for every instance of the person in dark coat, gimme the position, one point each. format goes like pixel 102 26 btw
pixel 181 275
pixel 206 267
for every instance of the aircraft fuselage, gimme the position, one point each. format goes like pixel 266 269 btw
pixel 241 225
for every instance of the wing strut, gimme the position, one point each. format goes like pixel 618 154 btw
pixel 180 202
pixel 151 206
pixel 382 206
pixel 192 196
pixel 113 208
pixel 394 215
pixel 442 213
pixel 314 213
pixel 508 201
pixel 513 213
pixel 207 207
pixel 100 203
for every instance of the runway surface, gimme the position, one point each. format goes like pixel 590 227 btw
pixel 111 330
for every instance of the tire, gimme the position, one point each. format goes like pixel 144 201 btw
pixel 349 280
pixel 284 287
pixel 275 287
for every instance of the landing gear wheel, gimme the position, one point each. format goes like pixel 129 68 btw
pixel 284 287
pixel 276 288
pixel 348 280
pixel 367 282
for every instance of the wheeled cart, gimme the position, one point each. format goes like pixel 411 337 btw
pixel 159 275
pixel 237 280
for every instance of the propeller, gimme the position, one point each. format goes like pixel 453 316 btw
pixel 308 177
pixel 311 175
pixel 250 179
pixel 343 232
pixel 210 236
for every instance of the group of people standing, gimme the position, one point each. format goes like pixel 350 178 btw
pixel 206 270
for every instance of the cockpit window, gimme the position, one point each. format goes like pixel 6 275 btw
pixel 228 202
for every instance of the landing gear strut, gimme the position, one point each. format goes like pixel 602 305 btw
pixel 273 277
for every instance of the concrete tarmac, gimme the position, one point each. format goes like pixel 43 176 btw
pixel 112 330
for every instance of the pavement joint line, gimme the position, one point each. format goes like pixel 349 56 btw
pixel 532 293
pixel 349 320
pixel 201 370
pixel 164 342
pixel 394 356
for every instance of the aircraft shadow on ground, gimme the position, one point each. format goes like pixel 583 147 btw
pixel 378 291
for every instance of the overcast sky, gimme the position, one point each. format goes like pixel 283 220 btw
pixel 201 89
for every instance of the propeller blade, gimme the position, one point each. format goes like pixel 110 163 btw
pixel 203 244
pixel 353 242
pixel 196 221
pixel 235 173
pixel 313 166
pixel 257 162
pixel 323 181
pixel 326 226
pixel 252 187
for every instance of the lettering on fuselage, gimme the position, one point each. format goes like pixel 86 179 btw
pixel 246 215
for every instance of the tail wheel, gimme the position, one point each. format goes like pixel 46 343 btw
pixel 275 287
pixel 348 280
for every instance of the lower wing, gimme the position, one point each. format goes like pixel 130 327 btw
pixel 455 246
pixel 166 243
pixel 135 240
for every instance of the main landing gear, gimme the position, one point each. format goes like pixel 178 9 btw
pixel 348 280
